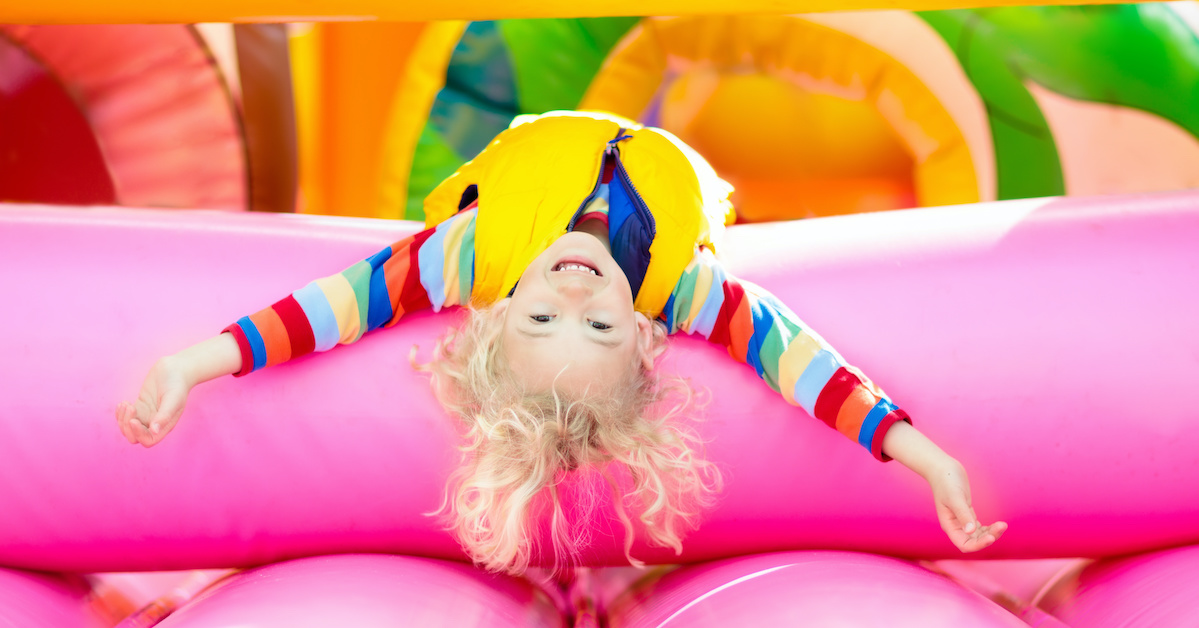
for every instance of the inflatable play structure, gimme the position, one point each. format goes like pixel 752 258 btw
pixel 807 115
pixel 147 116
pixel 1047 342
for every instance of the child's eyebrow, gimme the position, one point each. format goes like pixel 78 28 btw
pixel 611 343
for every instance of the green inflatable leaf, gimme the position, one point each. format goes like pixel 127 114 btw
pixel 1140 56
pixel 433 162
pixel 1026 158
pixel 497 71
pixel 555 60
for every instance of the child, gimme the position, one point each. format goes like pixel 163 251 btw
pixel 580 241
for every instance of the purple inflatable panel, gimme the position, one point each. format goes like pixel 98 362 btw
pixel 368 592
pixel 1048 344
pixel 805 589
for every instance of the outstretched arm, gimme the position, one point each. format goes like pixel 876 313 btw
pixel 430 269
pixel 757 329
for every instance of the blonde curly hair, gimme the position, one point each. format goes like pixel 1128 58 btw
pixel 520 444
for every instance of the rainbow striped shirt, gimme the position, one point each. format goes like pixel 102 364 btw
pixel 434 269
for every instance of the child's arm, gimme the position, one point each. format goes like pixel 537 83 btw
pixel 793 360
pixel 430 269
pixel 433 268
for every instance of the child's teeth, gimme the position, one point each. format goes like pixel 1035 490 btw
pixel 571 266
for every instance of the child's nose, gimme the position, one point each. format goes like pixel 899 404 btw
pixel 575 289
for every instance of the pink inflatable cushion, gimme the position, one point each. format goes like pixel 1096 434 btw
pixel 367 592
pixel 1160 589
pixel 142 588
pixel 1047 344
pixel 45 601
pixel 805 589
pixel 144 598
pixel 1014 582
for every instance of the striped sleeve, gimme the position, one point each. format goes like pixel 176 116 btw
pixel 432 269
pixel 758 330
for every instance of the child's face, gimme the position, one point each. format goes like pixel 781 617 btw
pixel 573 328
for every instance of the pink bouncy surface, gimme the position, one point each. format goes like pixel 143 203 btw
pixel 368 592
pixel 805 589
pixel 1047 344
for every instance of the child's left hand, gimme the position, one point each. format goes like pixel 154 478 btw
pixel 951 487
pixel 951 492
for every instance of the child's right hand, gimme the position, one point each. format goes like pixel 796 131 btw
pixel 164 393
pixel 158 406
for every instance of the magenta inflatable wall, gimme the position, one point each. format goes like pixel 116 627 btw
pixel 1050 345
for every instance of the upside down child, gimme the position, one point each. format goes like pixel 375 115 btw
pixel 579 242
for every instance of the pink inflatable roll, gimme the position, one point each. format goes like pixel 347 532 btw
pixel 1157 590
pixel 1048 344
pixel 45 601
pixel 367 592
pixel 805 588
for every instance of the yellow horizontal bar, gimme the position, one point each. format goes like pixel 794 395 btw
pixel 157 11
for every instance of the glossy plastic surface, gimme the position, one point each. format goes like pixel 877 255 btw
pixel 808 589
pixel 367 592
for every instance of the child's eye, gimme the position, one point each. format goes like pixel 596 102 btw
pixel 600 326
pixel 541 318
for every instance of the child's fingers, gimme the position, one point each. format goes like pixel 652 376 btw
pixel 139 416
pixel 140 433
pixel 123 410
pixel 983 538
pixel 168 412
pixel 976 544
pixel 967 520
pixel 964 514
pixel 967 543
pixel 130 421
pixel 997 529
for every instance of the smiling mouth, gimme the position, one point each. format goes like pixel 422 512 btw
pixel 576 266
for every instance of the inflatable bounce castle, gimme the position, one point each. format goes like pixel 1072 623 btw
pixel 993 210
